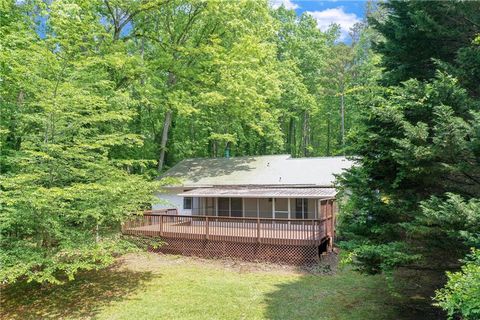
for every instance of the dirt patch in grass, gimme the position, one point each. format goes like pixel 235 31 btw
pixel 148 262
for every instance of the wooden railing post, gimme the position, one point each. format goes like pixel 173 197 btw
pixel 258 230
pixel 313 230
pixel 206 227
pixel 161 225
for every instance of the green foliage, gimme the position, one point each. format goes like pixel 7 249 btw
pixel 417 34
pixel 452 216
pixel 64 112
pixel 418 153
pixel 460 296
pixel 94 95
pixel 417 142
pixel 414 196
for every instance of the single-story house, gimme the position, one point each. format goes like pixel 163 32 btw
pixel 276 186
pixel 274 208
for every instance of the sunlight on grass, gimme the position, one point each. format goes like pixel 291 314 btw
pixel 163 287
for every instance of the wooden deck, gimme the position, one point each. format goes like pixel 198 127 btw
pixel 285 240
pixel 243 230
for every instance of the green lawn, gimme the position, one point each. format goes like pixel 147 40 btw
pixel 151 286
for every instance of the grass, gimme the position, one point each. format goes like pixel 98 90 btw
pixel 152 286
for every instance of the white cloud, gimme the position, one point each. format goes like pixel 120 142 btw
pixel 335 15
pixel 288 4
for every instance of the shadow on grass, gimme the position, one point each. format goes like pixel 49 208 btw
pixel 82 298
pixel 346 295
pixel 351 295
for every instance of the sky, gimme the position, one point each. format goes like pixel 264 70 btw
pixel 326 12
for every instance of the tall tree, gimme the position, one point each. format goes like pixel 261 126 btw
pixel 415 191
pixel 65 109
pixel 418 33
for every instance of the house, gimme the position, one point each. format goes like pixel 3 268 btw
pixel 257 207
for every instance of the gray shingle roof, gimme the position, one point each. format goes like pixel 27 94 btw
pixel 275 170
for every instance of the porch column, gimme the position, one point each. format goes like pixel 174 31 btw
pixel 289 210
pixel 273 208
pixel 243 207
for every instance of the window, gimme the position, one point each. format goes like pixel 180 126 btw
pixel 265 208
pixel 281 208
pixel 210 206
pixel 224 207
pixel 250 207
pixel 300 208
pixel 236 207
pixel 187 203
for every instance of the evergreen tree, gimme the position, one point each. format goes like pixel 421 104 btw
pixel 414 195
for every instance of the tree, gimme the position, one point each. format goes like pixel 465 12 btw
pixel 414 195
pixel 419 141
pixel 419 33
pixel 65 109
pixel 460 295
pixel 210 76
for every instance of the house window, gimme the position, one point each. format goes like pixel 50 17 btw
pixel 187 203
pixel 224 207
pixel 300 208
pixel 281 208
pixel 236 206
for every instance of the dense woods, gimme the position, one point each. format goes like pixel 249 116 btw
pixel 100 96
pixel 414 200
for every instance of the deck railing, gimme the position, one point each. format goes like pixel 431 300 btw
pixel 233 229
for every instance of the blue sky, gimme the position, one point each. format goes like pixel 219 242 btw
pixel 344 13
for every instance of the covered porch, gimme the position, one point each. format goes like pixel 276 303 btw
pixel 261 224
pixel 274 203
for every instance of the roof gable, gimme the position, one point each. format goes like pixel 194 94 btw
pixel 275 170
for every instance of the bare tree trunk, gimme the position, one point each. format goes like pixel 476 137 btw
pixel 172 79
pixel 163 143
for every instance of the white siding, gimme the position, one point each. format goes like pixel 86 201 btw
pixel 171 199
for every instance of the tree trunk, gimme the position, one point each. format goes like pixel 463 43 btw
pixel 163 143
pixel 171 81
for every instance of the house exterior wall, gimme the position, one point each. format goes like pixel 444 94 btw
pixel 169 199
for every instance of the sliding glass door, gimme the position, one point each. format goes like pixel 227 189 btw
pixel 230 207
